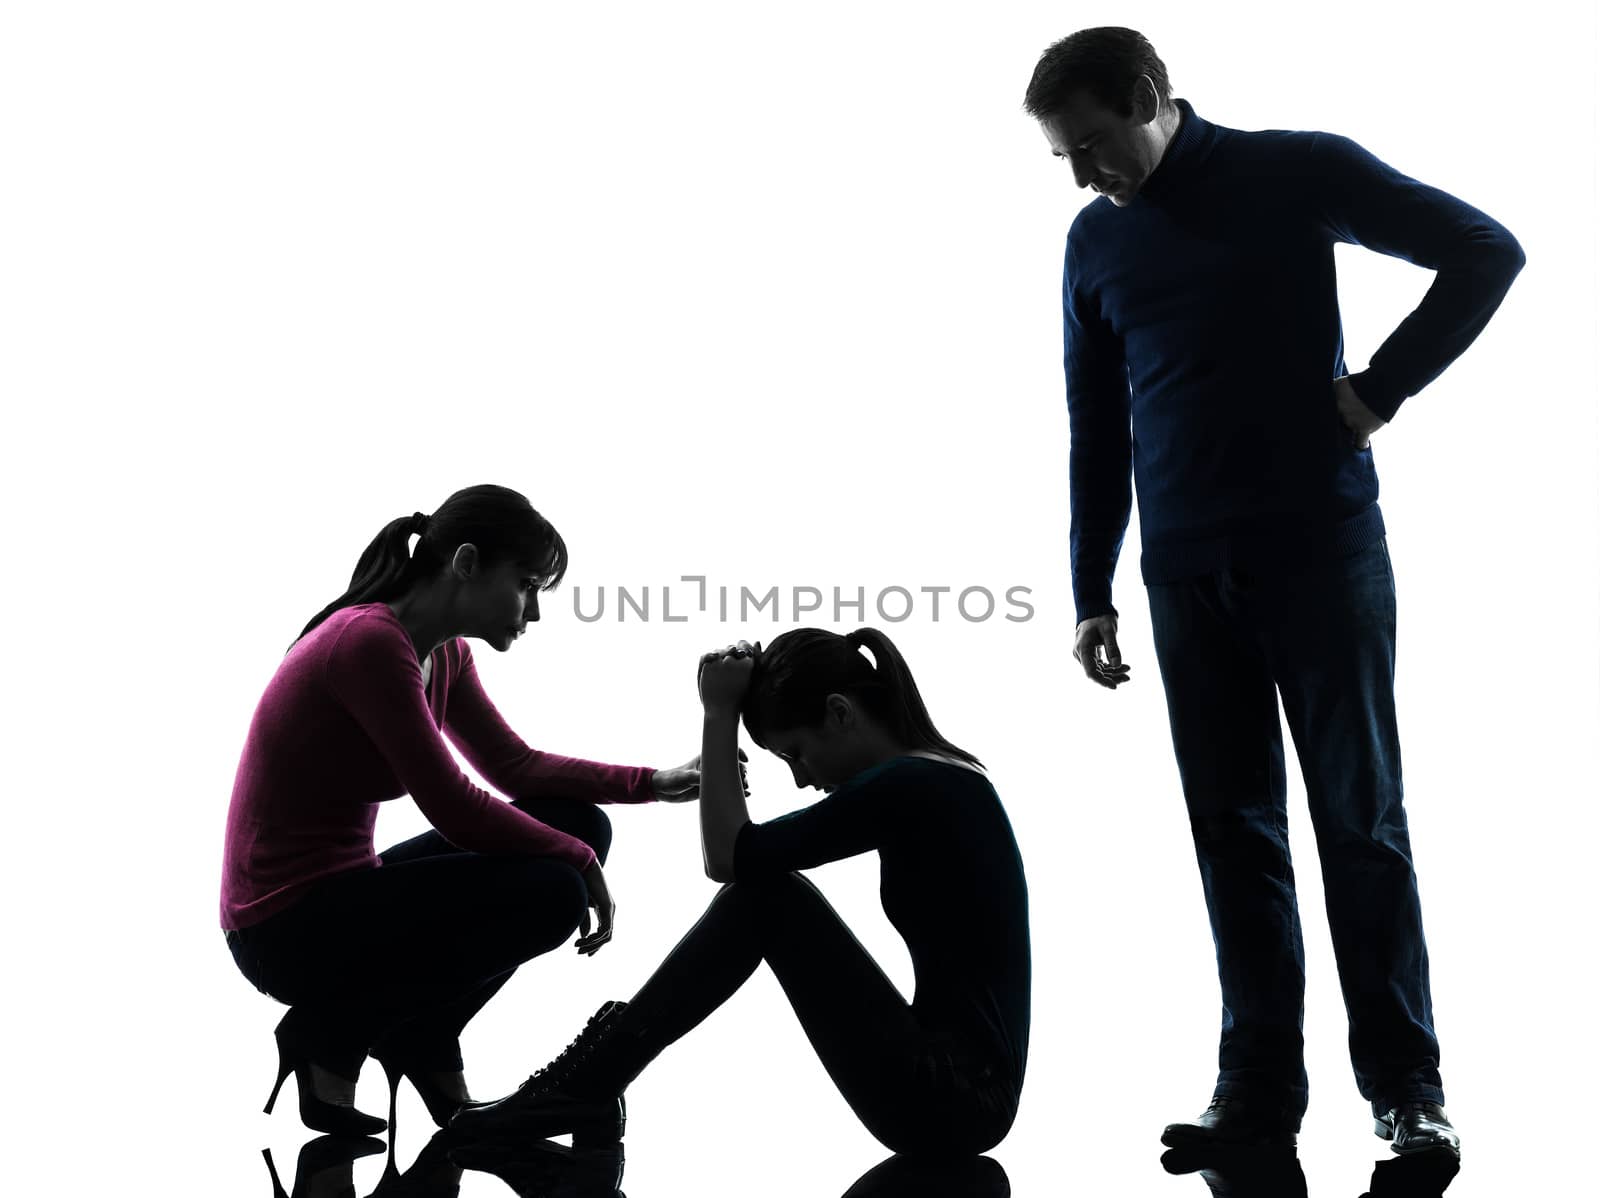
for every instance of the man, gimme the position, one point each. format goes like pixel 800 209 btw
pixel 1204 357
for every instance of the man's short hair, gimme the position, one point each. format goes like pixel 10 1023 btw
pixel 1105 61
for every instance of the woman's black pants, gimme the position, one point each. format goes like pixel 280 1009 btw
pixel 400 958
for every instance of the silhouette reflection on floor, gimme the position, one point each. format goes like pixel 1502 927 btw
pixel 547 1169
pixel 1232 1171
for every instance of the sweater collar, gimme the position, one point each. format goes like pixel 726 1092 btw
pixel 1185 152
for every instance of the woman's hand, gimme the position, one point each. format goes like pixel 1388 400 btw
pixel 604 909
pixel 725 675
pixel 682 783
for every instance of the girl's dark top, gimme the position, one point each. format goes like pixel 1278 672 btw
pixel 951 883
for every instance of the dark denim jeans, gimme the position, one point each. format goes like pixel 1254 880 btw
pixel 1321 635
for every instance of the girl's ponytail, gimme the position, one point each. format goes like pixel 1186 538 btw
pixel 905 713
pixel 795 674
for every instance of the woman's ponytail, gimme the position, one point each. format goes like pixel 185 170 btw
pixel 906 714
pixel 385 567
pixel 500 522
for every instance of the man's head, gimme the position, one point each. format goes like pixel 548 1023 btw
pixel 1104 102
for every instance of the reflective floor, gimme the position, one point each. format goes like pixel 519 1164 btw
pixel 1277 1172
pixel 326 1167
pixel 176 1067
pixel 744 1108
pixel 415 1164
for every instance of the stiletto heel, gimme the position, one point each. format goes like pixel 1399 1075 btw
pixel 266 1154
pixel 392 1073
pixel 320 1156
pixel 432 1175
pixel 442 1107
pixel 315 1113
pixel 284 1069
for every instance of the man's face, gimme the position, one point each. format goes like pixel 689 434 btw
pixel 1111 153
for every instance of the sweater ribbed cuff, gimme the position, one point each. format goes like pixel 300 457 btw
pixel 1378 393
pixel 1088 610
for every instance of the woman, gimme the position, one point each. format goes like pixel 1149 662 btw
pixel 394 961
pixel 941 1074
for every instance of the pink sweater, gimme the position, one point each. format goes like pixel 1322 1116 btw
pixel 346 724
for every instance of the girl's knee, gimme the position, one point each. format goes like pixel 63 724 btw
pixel 766 890
pixel 787 882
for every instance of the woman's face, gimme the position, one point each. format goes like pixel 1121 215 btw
pixel 829 754
pixel 501 601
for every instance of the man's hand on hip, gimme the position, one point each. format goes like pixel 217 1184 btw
pixel 1361 420
pixel 1095 648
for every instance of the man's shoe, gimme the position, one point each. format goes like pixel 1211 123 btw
pixel 1416 1175
pixel 560 1098
pixel 1233 1121
pixel 1241 1171
pixel 1417 1127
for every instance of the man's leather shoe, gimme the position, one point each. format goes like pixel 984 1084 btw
pixel 1417 1127
pixel 1242 1171
pixel 1415 1175
pixel 1234 1121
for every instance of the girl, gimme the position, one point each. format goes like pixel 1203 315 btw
pixel 394 961
pixel 941 1074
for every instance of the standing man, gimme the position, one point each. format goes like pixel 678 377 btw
pixel 1204 358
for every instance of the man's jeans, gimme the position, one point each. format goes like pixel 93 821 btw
pixel 1323 636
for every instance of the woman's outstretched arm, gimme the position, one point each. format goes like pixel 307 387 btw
pixel 371 669
pixel 476 727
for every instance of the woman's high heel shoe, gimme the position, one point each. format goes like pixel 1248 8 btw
pixel 323 1155
pixel 432 1175
pixel 441 1106
pixel 316 1114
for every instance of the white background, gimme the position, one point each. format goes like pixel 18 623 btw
pixel 770 295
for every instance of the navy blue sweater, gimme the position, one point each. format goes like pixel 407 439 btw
pixel 1203 338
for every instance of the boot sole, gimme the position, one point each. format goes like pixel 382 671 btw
pixel 588 1130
